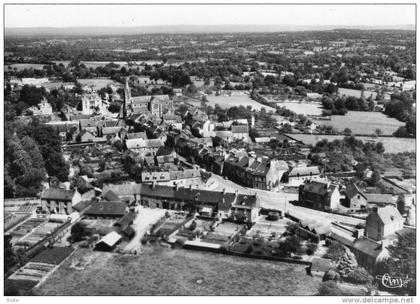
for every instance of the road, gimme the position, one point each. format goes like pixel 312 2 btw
pixel 279 201
pixel 146 217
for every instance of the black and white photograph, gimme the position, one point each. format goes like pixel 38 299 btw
pixel 209 149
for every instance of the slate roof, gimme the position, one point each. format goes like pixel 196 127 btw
pixel 126 220
pixel 186 194
pixel 352 190
pixel 110 196
pixel 105 208
pixel 137 135
pixel 304 171
pixel 82 205
pixel 316 187
pixel 245 201
pixel 240 129
pixel 58 194
pixel 164 151
pixel 368 247
pixel 389 214
pixel 140 99
pixel 141 143
pixel 379 198
pixel 110 130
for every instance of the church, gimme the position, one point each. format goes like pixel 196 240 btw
pixel 156 105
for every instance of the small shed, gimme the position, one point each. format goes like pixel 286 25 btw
pixel 108 242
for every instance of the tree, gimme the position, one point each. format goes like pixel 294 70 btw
pixel 10 257
pixel 401 204
pixel 374 179
pixel 347 132
pixel 79 231
pixel 402 261
pixel 329 288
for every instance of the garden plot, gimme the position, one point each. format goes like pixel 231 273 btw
pixel 227 102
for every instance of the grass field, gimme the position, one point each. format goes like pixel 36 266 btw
pixel 162 271
pixel 391 144
pixel 22 66
pixel 302 108
pixel 355 93
pixel 232 101
pixel 99 83
pixel 364 122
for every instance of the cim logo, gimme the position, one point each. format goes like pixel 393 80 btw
pixel 393 282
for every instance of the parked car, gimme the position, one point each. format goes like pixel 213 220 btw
pixel 273 216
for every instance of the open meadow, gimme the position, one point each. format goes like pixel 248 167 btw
pixel 356 93
pixel 22 66
pixel 163 271
pixel 364 123
pixel 305 108
pixel 235 101
pixel 391 144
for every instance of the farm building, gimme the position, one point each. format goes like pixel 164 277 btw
pixel 108 242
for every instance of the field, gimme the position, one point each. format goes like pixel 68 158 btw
pixel 302 108
pixel 231 101
pixel 391 144
pixel 22 66
pixel 162 271
pixel 355 93
pixel 99 83
pixel 364 122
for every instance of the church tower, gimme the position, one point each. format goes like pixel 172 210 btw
pixel 127 98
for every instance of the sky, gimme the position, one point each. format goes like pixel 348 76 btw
pixel 152 15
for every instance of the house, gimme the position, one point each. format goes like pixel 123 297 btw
pixel 265 174
pixel 383 222
pixel 85 136
pixel 105 209
pixel 108 242
pixel 240 132
pixel 319 195
pixel 59 201
pixel 299 175
pixel 354 198
pixel 245 209
pixel 143 147
pixel 369 253
pixel 91 103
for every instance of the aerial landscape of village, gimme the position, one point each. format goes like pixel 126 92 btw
pixel 234 161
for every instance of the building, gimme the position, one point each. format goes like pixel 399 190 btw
pixel 265 174
pixel 299 175
pixel 108 242
pixel 92 103
pixel 233 206
pixel 156 105
pixel 369 253
pixel 383 222
pixel 319 195
pixel 144 146
pixel 106 209
pixel 59 201
pixel 354 198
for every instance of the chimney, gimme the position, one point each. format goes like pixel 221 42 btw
pixel 236 193
pixel 190 187
pixel 154 185
pixel 375 209
pixel 224 191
